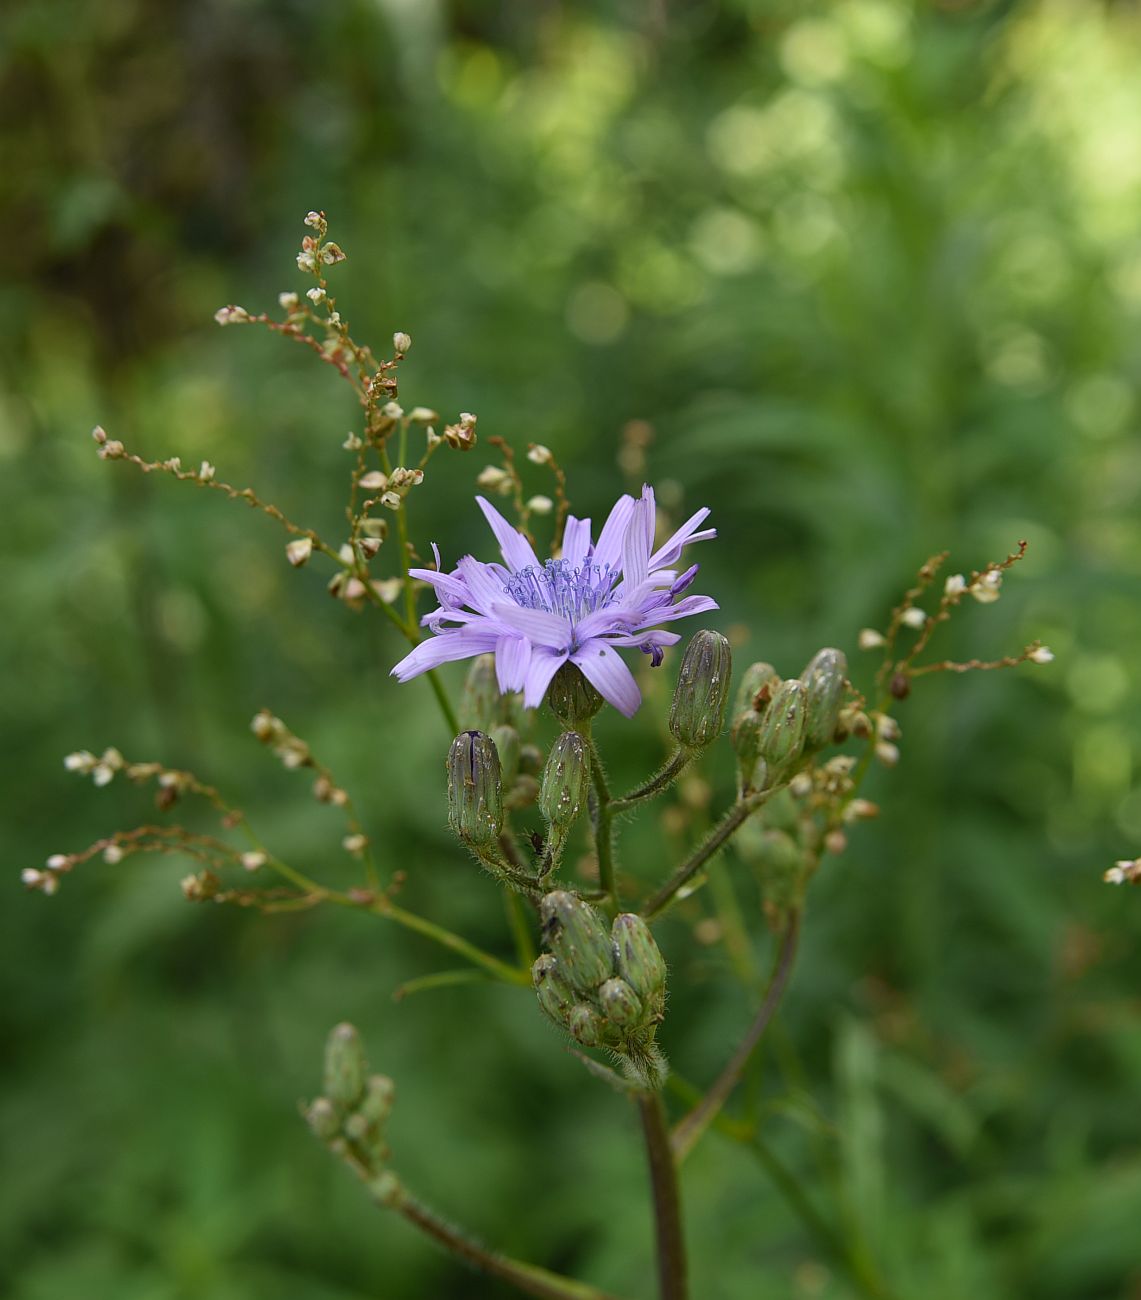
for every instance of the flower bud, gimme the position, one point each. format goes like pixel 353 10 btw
pixel 566 780
pixel 639 960
pixel 555 995
pixel 620 1004
pixel 506 740
pixel 702 693
pixel 475 792
pixel 753 681
pixel 322 1118
pixel 480 704
pixel 781 736
pixel 571 697
pixel 824 686
pixel 401 342
pixel 380 1092
pixel 344 1066
pixel 587 1026
pixel 575 935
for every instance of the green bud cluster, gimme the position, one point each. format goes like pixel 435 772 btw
pixel 606 987
pixel 701 698
pixel 352 1115
pixel 475 790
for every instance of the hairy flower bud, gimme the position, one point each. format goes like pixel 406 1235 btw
pixel 555 995
pixel 479 705
pixel 638 959
pixel 575 935
pixel 475 792
pixel 344 1066
pixel 824 686
pixel 506 741
pixel 752 693
pixel 571 697
pixel 620 1004
pixel 566 780
pixel 781 737
pixel 322 1118
pixel 587 1026
pixel 376 1105
pixel 697 713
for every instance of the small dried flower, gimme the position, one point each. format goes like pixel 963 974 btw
pixel 332 253
pixel 861 810
pixel 1041 655
pixel 206 472
pixel 112 854
pixel 537 454
pixel 316 294
pixel 232 315
pixel 870 639
pixel 986 589
pixel 315 220
pixel 289 301
pixel 1126 871
pixel 392 410
pixel 80 761
pixel 391 500
pixel 298 551
pixel 253 859
pixel 494 478
pixel 913 617
pixel 99 434
pixel 955 585
pixel 423 415
pixel 374 481
pixel 355 843
pixel 113 449
pixel 306 261
pixel 540 505
pixel 887 753
pixel 401 342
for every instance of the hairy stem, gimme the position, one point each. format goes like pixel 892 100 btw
pixel 672 1283
pixel 689 1130
pixel 604 827
pixel 718 836
pixel 677 762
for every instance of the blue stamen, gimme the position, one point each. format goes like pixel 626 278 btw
pixel 561 588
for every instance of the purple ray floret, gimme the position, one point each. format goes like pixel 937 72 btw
pixel 596 598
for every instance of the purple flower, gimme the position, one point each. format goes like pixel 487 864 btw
pixel 598 597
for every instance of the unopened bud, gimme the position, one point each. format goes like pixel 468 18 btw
pixel 824 687
pixel 475 791
pixel 571 698
pixel 639 960
pixel 401 342
pixel 757 684
pixel 376 1105
pixel 781 736
pixel 870 639
pixel 575 935
pixel 587 1025
pixel 555 995
pixel 322 1118
pixel 344 1066
pixel 566 780
pixel 507 746
pixel 480 703
pixel 537 454
pixel 620 1004
pixel 697 713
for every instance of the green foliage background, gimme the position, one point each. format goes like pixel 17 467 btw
pixel 871 271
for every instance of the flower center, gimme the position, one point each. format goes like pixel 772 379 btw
pixel 560 588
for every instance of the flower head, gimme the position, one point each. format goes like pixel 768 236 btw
pixel 598 597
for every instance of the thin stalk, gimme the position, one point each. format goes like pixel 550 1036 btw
pixel 383 906
pixel 673 767
pixel 689 1130
pixel 724 829
pixel 520 928
pixel 604 828
pixel 672 1283
pixel 439 980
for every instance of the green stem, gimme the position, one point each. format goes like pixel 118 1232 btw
pixel 520 928
pixel 384 906
pixel 724 829
pixel 688 1132
pixel 678 761
pixel 439 980
pixel 604 829
pixel 672 1283
pixel 528 1278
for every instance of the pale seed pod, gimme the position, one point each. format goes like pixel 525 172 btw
pixel 571 698
pixel 701 697
pixel 344 1066
pixel 475 791
pixel 574 934
pixel 566 780
pixel 637 956
pixel 781 736
pixel 620 1004
pixel 824 687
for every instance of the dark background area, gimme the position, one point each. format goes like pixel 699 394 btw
pixel 870 272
